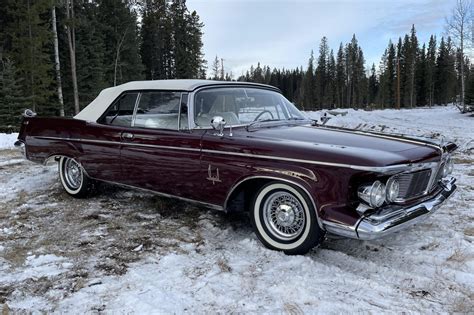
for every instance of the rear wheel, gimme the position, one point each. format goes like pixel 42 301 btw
pixel 284 219
pixel 73 178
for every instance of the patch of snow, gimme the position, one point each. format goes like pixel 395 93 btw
pixel 36 267
pixel 7 140
pixel 11 162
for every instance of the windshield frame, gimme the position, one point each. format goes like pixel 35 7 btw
pixel 192 98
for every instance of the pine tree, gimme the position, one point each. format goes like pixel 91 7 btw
pixel 421 85
pixel 431 69
pixel 29 36
pixel 11 100
pixel 155 48
pixel 412 63
pixel 309 85
pixel 331 84
pixel 469 98
pixel 216 69
pixel 91 58
pixel 340 76
pixel 373 89
pixel 445 73
pixel 321 75
pixel 197 63
pixel 390 76
pixel 258 74
pixel 117 20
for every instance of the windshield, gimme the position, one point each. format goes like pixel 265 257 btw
pixel 242 106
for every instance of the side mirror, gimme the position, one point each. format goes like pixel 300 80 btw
pixel 218 123
pixel 29 113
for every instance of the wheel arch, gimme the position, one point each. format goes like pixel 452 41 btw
pixel 56 157
pixel 256 181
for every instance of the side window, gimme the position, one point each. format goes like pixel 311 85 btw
pixel 120 113
pixel 161 110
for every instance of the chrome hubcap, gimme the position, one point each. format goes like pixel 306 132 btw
pixel 73 173
pixel 284 215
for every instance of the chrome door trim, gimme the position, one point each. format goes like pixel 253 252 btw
pixel 135 108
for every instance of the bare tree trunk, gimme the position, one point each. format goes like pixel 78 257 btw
pixel 72 51
pixel 117 55
pixel 32 53
pixel 412 82
pixel 462 69
pixel 431 95
pixel 57 65
pixel 456 26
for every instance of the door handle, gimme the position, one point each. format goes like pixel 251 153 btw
pixel 127 136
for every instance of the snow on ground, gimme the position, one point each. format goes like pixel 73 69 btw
pixel 130 252
pixel 7 140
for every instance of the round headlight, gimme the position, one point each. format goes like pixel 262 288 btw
pixel 393 188
pixel 448 167
pixel 374 194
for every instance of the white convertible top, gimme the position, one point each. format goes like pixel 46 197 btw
pixel 99 105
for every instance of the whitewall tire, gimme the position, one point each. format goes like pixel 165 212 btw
pixel 73 178
pixel 284 219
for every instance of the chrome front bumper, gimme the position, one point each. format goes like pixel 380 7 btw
pixel 392 219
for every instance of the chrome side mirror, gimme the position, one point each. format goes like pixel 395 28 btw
pixel 29 113
pixel 218 123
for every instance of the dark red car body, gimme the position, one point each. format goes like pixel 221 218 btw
pixel 219 171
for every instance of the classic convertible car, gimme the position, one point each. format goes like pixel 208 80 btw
pixel 237 146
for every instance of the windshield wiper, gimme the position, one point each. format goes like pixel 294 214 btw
pixel 297 118
pixel 260 121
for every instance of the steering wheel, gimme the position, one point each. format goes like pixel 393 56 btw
pixel 263 112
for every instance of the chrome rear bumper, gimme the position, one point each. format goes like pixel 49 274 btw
pixel 20 145
pixel 392 219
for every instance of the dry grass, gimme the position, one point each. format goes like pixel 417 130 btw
pixel 459 256
pixel 462 160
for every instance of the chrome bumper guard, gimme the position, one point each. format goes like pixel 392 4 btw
pixel 392 219
pixel 20 145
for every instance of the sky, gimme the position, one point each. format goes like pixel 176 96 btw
pixel 282 33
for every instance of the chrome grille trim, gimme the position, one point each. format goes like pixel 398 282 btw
pixel 413 184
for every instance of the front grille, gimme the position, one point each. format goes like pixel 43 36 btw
pixel 413 184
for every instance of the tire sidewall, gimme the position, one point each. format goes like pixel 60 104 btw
pixel 309 237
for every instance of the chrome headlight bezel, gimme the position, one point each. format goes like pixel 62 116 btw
pixel 393 189
pixel 448 166
pixel 373 194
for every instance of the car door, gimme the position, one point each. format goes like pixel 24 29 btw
pixel 101 140
pixel 159 152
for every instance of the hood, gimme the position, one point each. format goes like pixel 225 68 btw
pixel 343 146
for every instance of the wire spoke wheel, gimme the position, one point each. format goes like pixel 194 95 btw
pixel 73 174
pixel 284 218
pixel 284 215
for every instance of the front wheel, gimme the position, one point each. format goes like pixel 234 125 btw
pixel 73 178
pixel 284 219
